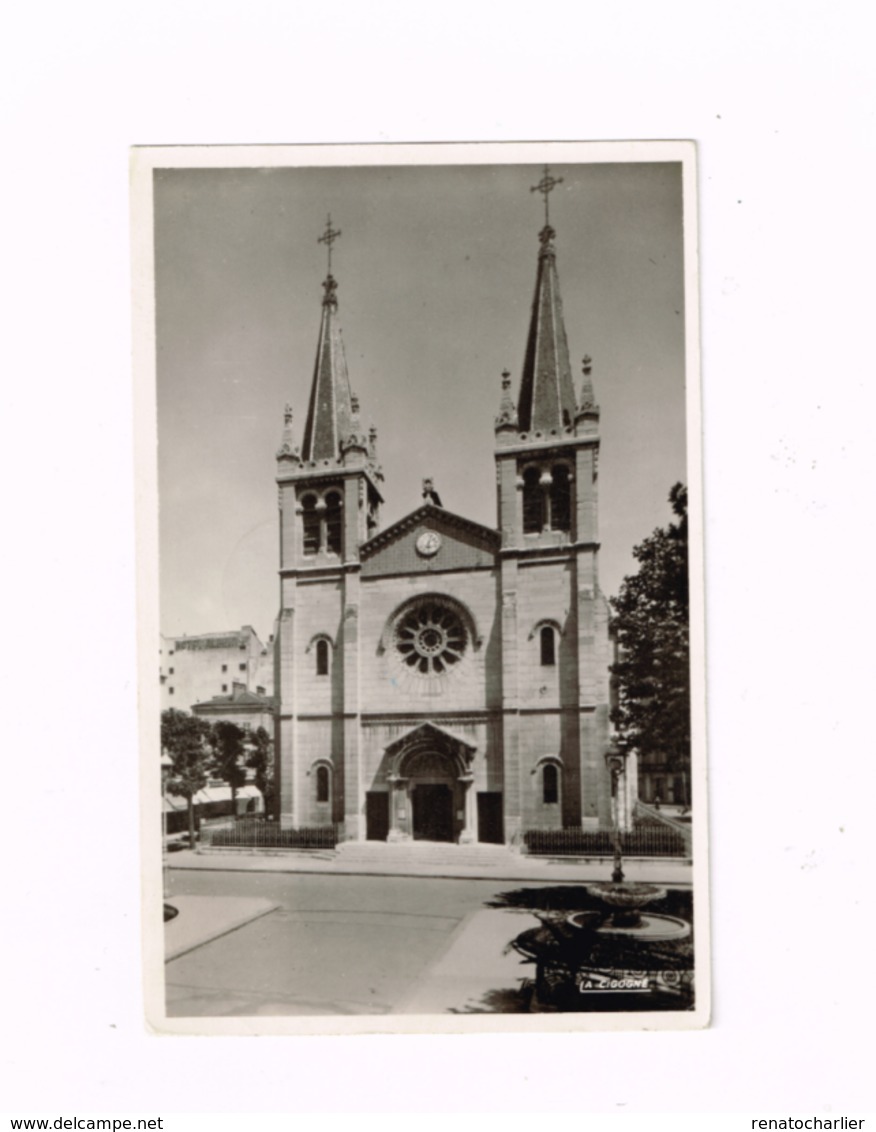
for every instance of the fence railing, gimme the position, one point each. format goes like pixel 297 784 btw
pixel 649 817
pixel 643 841
pixel 257 833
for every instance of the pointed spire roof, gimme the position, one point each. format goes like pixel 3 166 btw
pixel 547 394
pixel 330 412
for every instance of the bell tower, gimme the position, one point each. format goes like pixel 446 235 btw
pixel 554 617
pixel 329 494
pixel 329 503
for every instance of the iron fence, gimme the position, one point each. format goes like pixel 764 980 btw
pixel 642 841
pixel 257 833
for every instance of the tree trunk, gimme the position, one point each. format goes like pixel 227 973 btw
pixel 191 801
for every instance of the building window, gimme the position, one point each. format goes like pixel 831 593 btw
pixel 170 691
pixel 322 784
pixel 224 687
pixel 322 657
pixel 310 522
pixel 224 667
pixel 561 499
pixel 550 784
pixel 430 638
pixel 333 522
pixel 242 667
pixel 533 502
pixel 548 646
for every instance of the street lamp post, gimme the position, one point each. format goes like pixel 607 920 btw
pixel 249 750
pixel 166 765
pixel 616 760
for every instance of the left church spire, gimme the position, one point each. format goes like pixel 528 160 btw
pixel 332 427
pixel 330 412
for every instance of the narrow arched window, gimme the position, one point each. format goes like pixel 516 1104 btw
pixel 333 523
pixel 561 499
pixel 322 658
pixel 322 784
pixel 548 646
pixel 533 502
pixel 310 524
pixel 550 784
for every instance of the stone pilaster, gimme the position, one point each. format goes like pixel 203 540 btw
pixel 586 502
pixel 399 806
pixel 354 790
pixel 469 832
pixel 512 786
pixel 284 721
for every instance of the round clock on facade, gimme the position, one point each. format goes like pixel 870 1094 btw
pixel 429 543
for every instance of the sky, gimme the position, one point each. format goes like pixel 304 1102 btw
pixel 436 269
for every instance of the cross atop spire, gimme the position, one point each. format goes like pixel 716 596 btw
pixel 546 186
pixel 328 238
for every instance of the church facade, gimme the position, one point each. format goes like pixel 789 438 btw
pixel 439 679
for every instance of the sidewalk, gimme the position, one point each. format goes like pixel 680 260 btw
pixel 534 869
pixel 478 973
pixel 204 918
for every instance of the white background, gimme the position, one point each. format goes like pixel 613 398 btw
pixel 780 99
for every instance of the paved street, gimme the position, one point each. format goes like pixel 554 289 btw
pixel 335 944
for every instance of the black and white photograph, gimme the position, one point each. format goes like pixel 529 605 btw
pixel 425 669
pixel 435 767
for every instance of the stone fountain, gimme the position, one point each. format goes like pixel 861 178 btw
pixel 626 899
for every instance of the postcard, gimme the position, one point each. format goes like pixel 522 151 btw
pixel 421 588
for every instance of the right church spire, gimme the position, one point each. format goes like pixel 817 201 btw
pixel 547 394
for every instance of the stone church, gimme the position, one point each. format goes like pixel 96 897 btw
pixel 438 679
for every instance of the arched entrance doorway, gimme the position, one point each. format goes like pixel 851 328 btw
pixel 431 795
pixel 433 788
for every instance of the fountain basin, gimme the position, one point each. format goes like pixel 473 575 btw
pixel 626 894
pixel 650 927
pixel 626 898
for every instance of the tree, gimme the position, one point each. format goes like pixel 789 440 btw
pixel 186 740
pixel 651 625
pixel 262 762
pixel 227 761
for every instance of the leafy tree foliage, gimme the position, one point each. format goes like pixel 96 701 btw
pixel 227 761
pixel 262 762
pixel 651 623
pixel 186 739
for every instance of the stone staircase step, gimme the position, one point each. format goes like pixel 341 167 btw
pixel 424 852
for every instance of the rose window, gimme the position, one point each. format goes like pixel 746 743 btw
pixel 430 639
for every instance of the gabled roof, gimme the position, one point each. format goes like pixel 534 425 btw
pixel 240 697
pixel 428 738
pixel 428 729
pixel 437 517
